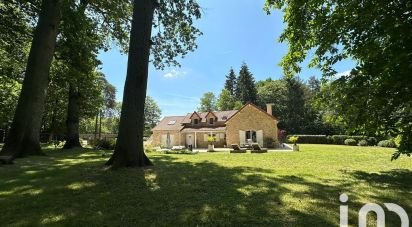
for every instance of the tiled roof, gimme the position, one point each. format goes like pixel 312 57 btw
pixel 170 123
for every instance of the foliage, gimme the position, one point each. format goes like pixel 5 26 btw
pixel 293 139
pixel 351 142
pixel 230 83
pixel 363 143
pixel 375 34
pixel 208 102
pixel 273 91
pixel 105 144
pixel 245 86
pixel 225 101
pixel 386 143
pixel 211 139
pixel 311 139
pixel 152 113
pixel 372 141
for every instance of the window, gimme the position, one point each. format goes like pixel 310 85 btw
pixel 251 136
pixel 171 122
pixel 224 118
pixel 211 121
pixel 195 121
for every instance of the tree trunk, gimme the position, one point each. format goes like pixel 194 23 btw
pixel 100 125
pixel 129 151
pixel 95 125
pixel 24 137
pixel 72 121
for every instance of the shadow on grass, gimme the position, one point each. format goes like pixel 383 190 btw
pixel 72 188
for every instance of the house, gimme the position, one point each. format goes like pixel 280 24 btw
pixel 250 124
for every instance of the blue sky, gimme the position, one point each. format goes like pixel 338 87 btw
pixel 234 31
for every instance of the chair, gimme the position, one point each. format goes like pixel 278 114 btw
pixel 257 149
pixel 237 149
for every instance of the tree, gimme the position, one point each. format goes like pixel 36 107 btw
pixel 376 34
pixel 111 17
pixel 208 102
pixel 230 83
pixel 246 89
pixel 273 91
pixel 24 136
pixel 175 37
pixel 78 47
pixel 152 113
pixel 314 84
pixel 225 101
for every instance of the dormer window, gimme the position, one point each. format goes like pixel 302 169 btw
pixel 195 121
pixel 211 121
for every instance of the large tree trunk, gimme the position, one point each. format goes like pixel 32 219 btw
pixel 24 137
pixel 72 121
pixel 129 151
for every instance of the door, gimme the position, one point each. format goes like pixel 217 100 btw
pixel 189 139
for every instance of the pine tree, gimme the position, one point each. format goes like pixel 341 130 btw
pixel 230 83
pixel 245 87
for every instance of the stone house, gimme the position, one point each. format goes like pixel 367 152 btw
pixel 250 124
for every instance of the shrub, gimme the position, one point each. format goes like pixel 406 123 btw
pixel 363 143
pixel 372 141
pixel 350 142
pixel 293 139
pixel 339 139
pixel 386 143
pixel 105 144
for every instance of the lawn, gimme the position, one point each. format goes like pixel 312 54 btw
pixel 278 189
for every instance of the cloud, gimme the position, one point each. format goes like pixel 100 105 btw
pixel 345 73
pixel 174 73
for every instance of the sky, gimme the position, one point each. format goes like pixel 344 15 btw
pixel 234 31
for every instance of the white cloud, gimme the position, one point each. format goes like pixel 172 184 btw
pixel 174 73
pixel 345 73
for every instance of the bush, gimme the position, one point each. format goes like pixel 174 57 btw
pixel 293 139
pixel 386 143
pixel 350 142
pixel 339 139
pixel 363 143
pixel 372 141
pixel 105 144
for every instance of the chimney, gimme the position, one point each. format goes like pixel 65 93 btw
pixel 269 108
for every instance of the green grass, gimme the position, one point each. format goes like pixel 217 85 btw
pixel 276 189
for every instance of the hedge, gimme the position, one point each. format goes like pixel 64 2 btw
pixel 334 139
pixel 313 139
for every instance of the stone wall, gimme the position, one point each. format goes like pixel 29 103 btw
pixel 251 118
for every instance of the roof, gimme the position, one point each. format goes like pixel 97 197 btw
pixel 253 105
pixel 221 115
pixel 205 129
pixel 171 123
